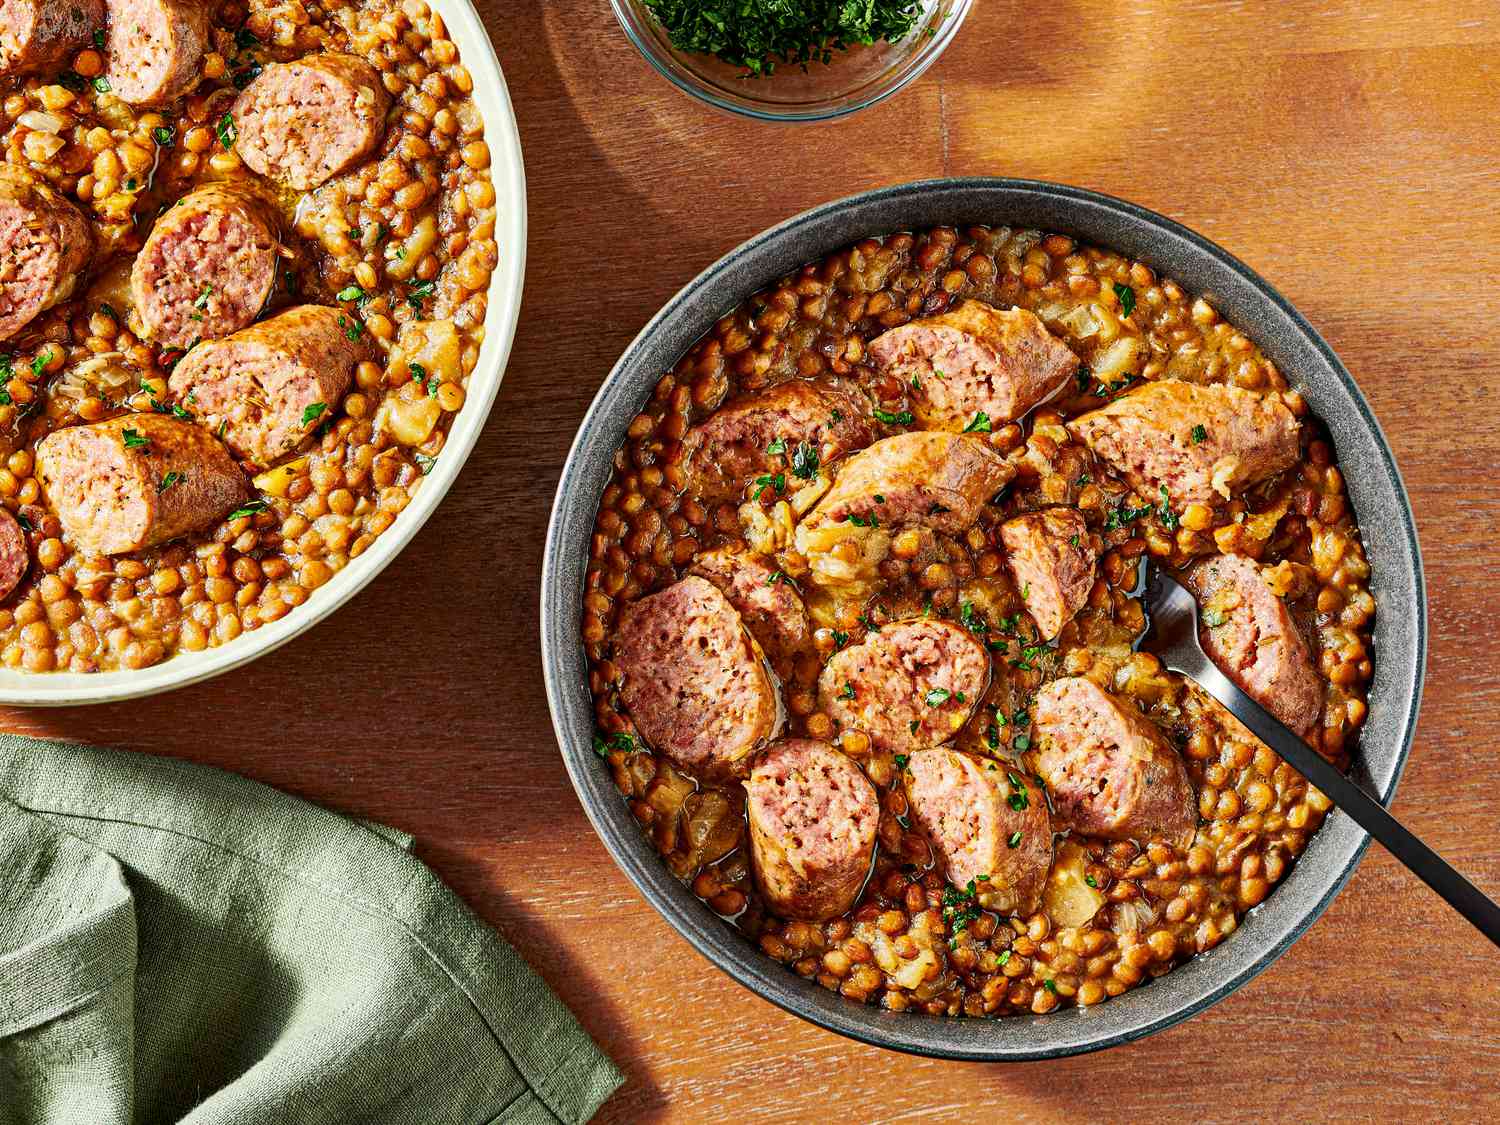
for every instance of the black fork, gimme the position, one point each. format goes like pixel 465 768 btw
pixel 1172 636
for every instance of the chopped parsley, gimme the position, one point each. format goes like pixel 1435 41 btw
pixel 804 461
pixel 249 508
pixel 39 364
pixel 885 416
pixel 900 760
pixel 418 372
pixel 134 439
pixel 1127 298
pixel 840 638
pixel 759 37
pixel 1169 518
pixel 1091 881
pixel 226 131
pixel 165 136
pixel 1199 434
pixel 1003 958
pixel 777 447
pixel 1121 515
pixel 418 292
pixel 101 84
pixel 424 462
pixel 1050 985
pixel 778 481
pixel 173 477
pixel 979 425
pixel 960 907
pixel 1014 841
pixel 313 412
pixel 776 576
pixel 1018 799
pixel 847 692
pixel 72 80
pixel 351 293
pixel 619 741
pixel 938 696
pixel 353 327
pixel 836 417
pixel 863 521
pixel 99 39
pixel 971 619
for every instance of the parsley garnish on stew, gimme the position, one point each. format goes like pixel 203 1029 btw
pixel 165 136
pixel 620 741
pixel 226 131
pixel 777 447
pixel 900 760
pixel 134 439
pixel 419 292
pixel 173 477
pixel 902 419
pixel 1199 435
pixel 312 413
pixel 938 696
pixel 980 424
pixel 804 461
pixel 1127 298
pixel 249 508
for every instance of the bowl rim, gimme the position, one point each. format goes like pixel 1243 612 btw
pixel 802 112
pixel 1192 987
pixel 507 171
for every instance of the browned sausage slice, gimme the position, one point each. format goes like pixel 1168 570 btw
pixel 1249 633
pixel 40 35
pixel 1109 770
pixel 792 429
pixel 44 243
pixel 1200 443
pixel 974 360
pixel 264 389
pixel 910 685
pixel 136 481
pixel 155 48
pixel 304 122
pixel 813 816
pixel 207 268
pixel 1052 561
pixel 938 479
pixel 769 603
pixel 987 823
pixel 15 559
pixel 696 684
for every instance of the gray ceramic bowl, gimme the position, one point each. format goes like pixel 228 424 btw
pixel 1247 302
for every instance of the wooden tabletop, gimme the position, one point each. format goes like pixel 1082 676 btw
pixel 1347 149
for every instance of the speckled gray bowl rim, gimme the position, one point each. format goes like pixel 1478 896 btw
pixel 1245 300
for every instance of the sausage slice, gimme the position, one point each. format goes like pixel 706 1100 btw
pixel 911 685
pixel 766 599
pixel 1249 633
pixel 268 386
pixel 41 35
pixel 1110 771
pixel 1199 443
pixel 207 268
pixel 938 479
pixel 15 558
pixel 137 480
pixel 44 244
pixel 813 816
pixel 304 122
pixel 986 822
pixel 155 48
pixel 1052 562
pixel 763 434
pixel 696 684
pixel 974 359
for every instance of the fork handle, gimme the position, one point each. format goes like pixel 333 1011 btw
pixel 1366 811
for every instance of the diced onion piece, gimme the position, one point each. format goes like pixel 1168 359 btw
pixel 1068 900
pixel 433 346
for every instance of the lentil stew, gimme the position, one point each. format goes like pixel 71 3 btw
pixel 289 231
pixel 940 591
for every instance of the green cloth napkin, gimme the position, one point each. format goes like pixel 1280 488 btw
pixel 181 944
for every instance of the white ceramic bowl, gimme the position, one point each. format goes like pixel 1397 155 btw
pixel 56 689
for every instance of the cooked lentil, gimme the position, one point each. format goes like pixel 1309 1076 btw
pixel 912 943
pixel 404 243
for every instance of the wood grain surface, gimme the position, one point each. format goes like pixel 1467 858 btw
pixel 1350 151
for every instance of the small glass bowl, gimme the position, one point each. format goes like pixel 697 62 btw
pixel 854 79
